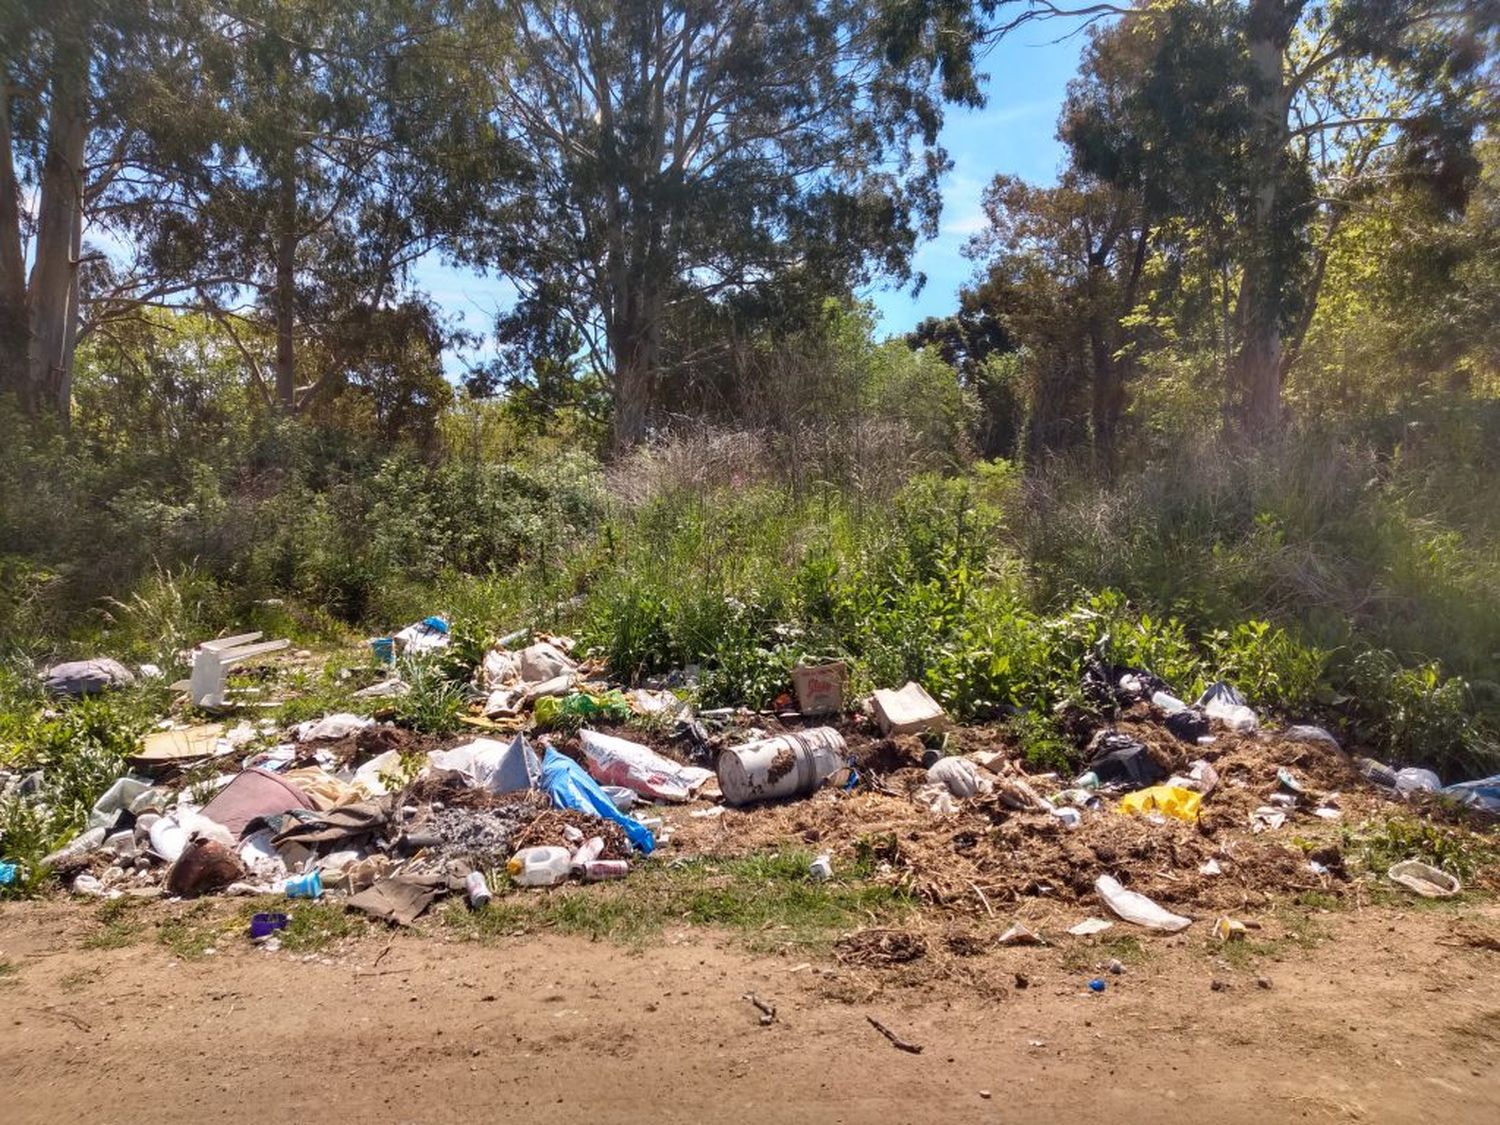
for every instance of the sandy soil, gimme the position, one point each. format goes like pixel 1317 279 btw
pixel 1394 1017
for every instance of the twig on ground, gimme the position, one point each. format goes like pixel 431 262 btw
pixel 767 1011
pixel 896 1040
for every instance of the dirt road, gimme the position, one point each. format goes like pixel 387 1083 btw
pixel 1392 1017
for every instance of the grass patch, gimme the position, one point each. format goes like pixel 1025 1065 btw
pixel 767 900
pixel 318 926
pixel 1079 958
pixel 78 979
pixel 119 925
pixel 1378 844
pixel 191 935
pixel 1318 900
pixel 8 969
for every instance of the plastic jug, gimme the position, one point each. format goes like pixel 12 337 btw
pixel 539 867
pixel 168 839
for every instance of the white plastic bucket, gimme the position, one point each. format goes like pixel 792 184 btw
pixel 791 765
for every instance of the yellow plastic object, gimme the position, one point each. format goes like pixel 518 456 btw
pixel 1170 799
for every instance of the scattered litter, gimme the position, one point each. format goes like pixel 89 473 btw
pixel 820 688
pixel 1137 908
pixel 908 711
pixel 1169 799
pixel 485 763
pixel 1096 985
pixel 1424 879
pixel 87 677
pixel 1229 929
pixel 1267 818
pixel 1222 702
pixel 1018 934
pixel 617 761
pixel 792 765
pixel 960 776
pixel 1116 758
pixel 1090 926
pixel 423 637
pixel 1210 867
pixel 1308 733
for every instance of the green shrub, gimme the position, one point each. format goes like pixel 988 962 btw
pixel 1416 715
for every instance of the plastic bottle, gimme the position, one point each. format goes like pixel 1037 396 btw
pixel 539 867
pixel 588 851
pixel 1168 702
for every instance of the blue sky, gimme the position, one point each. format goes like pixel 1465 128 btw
pixel 1028 75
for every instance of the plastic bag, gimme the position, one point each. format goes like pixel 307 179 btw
pixel 1221 701
pixel 570 787
pixel 960 776
pixel 1413 780
pixel 488 764
pixel 1170 799
pixel 617 761
pixel 1137 908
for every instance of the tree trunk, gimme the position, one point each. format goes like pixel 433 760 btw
pixel 15 317
pixel 286 280
pixel 634 348
pixel 1262 300
pixel 59 221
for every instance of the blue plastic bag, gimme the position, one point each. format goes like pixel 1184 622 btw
pixel 1481 794
pixel 570 787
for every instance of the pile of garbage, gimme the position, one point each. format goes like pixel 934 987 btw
pixel 1192 805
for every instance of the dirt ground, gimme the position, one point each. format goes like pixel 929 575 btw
pixel 1390 1016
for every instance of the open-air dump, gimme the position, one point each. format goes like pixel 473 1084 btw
pixel 863 856
pixel 785 560
pixel 1203 817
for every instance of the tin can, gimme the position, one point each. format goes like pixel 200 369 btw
pixel 597 870
pixel 478 890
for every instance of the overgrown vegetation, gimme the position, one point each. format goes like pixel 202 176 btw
pixel 1227 399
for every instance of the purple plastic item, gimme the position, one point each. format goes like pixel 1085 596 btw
pixel 263 926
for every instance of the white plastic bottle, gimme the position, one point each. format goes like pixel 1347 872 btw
pixel 539 867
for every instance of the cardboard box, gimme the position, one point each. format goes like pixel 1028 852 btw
pixel 820 688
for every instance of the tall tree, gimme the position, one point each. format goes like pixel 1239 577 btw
pixel 85 91
pixel 1064 266
pixel 342 140
pixel 682 151
pixel 1273 117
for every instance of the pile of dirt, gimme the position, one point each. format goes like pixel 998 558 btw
pixel 988 855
